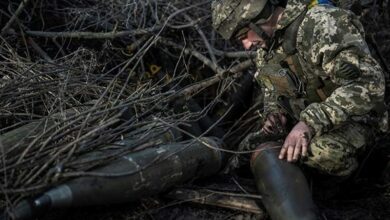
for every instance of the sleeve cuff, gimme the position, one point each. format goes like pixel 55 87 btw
pixel 309 117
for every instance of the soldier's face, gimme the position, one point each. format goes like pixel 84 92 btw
pixel 252 40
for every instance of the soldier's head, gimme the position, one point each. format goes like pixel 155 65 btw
pixel 245 19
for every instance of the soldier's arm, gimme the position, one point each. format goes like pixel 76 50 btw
pixel 271 105
pixel 338 48
pixel 274 119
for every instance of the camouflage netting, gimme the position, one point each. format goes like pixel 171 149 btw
pixel 75 76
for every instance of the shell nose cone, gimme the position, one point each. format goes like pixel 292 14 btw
pixel 28 209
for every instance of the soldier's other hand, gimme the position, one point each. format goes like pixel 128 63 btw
pixel 275 123
pixel 296 143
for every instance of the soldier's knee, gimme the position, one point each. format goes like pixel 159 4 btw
pixel 331 158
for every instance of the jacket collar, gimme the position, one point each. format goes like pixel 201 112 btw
pixel 293 9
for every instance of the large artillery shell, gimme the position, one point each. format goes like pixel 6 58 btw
pixel 148 172
pixel 132 177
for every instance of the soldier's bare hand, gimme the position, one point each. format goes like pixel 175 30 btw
pixel 274 124
pixel 296 143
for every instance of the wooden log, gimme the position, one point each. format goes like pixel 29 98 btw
pixel 225 200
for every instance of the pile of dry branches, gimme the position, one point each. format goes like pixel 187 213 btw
pixel 76 76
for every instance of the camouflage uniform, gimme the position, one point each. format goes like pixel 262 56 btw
pixel 338 90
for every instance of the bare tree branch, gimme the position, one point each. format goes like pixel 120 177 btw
pixel 14 16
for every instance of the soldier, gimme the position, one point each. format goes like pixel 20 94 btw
pixel 318 76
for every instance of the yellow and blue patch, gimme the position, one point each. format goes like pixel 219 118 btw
pixel 320 2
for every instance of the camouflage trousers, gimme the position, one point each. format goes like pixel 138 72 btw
pixel 334 153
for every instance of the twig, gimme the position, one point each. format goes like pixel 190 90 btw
pixel 210 146
pixel 68 146
pixel 39 50
pixel 195 53
pixel 92 35
pixel 14 16
pixel 233 194
pixel 236 54
pixel 202 35
pixel 221 74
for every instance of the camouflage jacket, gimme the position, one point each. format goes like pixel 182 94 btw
pixel 330 47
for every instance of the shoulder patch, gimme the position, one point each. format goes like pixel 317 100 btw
pixel 347 71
